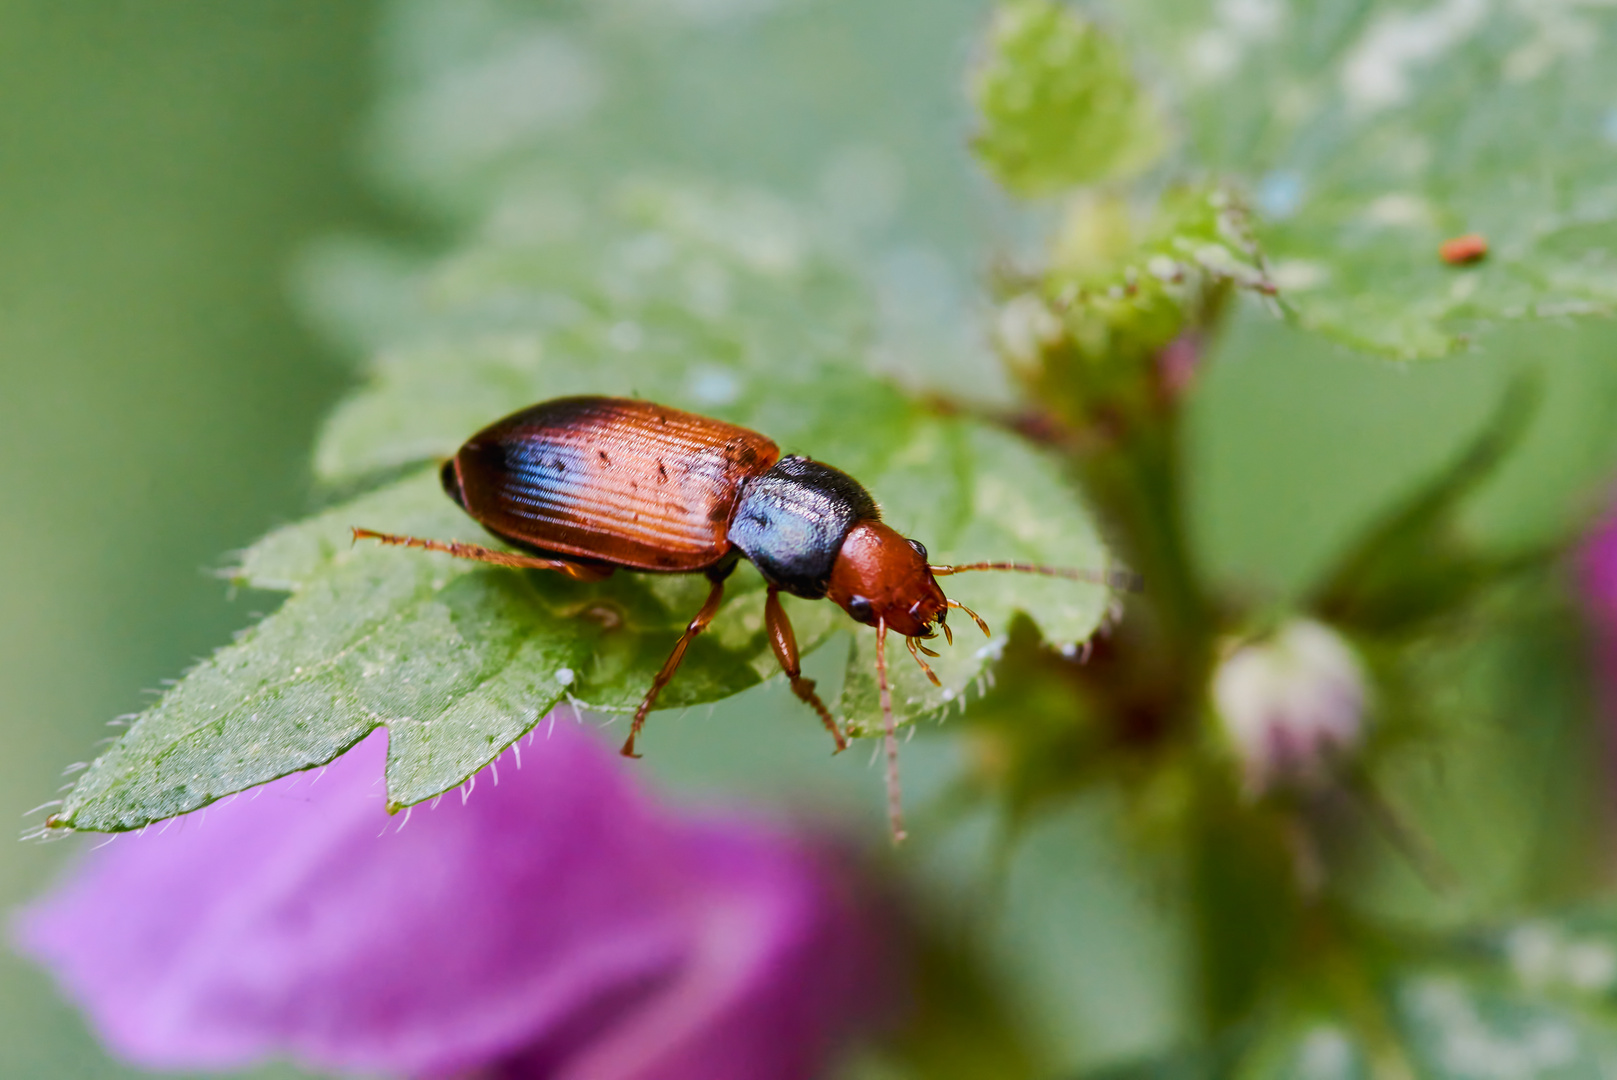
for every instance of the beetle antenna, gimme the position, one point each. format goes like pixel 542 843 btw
pixel 1126 580
pixel 978 619
pixel 895 805
pixel 915 651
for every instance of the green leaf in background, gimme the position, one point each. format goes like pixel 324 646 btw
pixel 1369 133
pixel 1060 107
pixel 1535 1000
pixel 714 303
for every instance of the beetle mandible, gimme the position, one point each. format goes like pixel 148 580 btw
pixel 589 485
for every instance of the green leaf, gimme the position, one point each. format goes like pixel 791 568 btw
pixel 1370 132
pixel 712 302
pixel 1412 566
pixel 1536 1000
pixel 1059 105
pixel 1458 1028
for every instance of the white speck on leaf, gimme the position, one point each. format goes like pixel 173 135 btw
pixel 1214 54
pixel 626 336
pixel 1280 193
pixel 1398 208
pixel 1256 19
pixel 1300 275
pixel 1325 1054
pixel 714 386
pixel 535 83
pixel 1377 73
pixel 1464 286
pixel 1163 268
pixel 1025 326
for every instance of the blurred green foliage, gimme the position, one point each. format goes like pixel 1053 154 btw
pixel 157 398
pixel 1093 888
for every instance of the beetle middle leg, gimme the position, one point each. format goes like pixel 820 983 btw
pixel 714 597
pixel 578 571
pixel 784 642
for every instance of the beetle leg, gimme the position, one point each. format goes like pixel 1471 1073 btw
pixel 895 802
pixel 784 642
pixel 579 571
pixel 671 665
pixel 978 619
pixel 913 647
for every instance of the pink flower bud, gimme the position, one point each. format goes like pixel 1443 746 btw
pixel 1292 706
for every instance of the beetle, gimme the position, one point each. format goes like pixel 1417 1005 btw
pixel 589 485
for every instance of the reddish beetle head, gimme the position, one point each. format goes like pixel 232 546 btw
pixel 881 575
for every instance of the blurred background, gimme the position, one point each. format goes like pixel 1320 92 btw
pixel 164 165
pixel 161 166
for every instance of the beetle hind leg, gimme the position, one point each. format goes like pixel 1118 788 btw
pixel 578 571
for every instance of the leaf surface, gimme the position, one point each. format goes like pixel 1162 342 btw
pixel 1370 133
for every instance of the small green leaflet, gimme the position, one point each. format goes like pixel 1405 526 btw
pixel 1370 132
pixel 458 659
pixel 1059 105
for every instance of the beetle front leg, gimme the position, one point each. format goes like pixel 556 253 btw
pixel 671 665
pixel 784 642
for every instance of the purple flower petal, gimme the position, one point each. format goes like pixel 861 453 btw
pixel 1599 571
pixel 1598 578
pixel 558 925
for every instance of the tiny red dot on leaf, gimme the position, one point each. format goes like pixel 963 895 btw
pixel 1465 249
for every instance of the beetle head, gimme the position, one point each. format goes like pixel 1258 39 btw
pixel 878 574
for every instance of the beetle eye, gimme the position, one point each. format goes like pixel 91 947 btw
pixel 920 548
pixel 860 609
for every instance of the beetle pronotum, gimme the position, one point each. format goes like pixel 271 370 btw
pixel 589 485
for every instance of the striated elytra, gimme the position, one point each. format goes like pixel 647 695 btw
pixel 589 485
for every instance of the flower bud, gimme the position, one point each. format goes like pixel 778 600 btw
pixel 1292 706
pixel 1025 327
